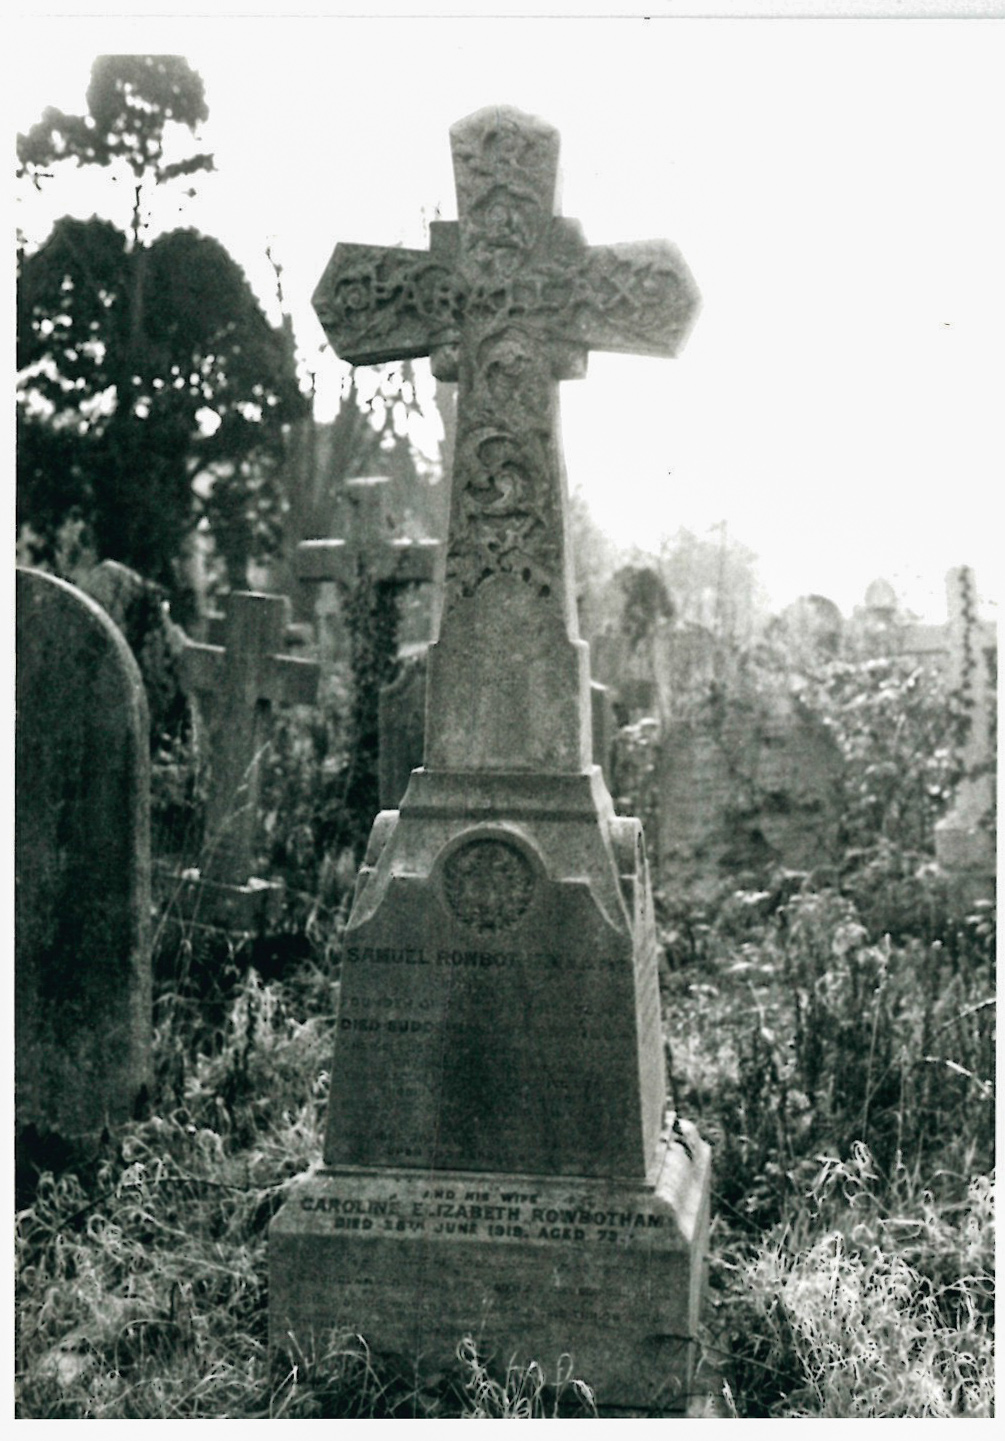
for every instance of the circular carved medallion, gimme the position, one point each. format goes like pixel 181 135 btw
pixel 488 885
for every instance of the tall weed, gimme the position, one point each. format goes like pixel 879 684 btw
pixel 874 1301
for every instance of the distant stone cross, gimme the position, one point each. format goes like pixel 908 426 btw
pixel 368 544
pixel 507 301
pixel 241 680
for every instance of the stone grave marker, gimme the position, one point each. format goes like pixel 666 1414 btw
pixel 139 609
pixel 369 545
pixel 238 683
pixel 964 840
pixel 82 868
pixel 499 1159
pixel 370 551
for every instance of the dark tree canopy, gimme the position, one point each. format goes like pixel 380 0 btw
pixel 130 99
pixel 152 390
pixel 646 602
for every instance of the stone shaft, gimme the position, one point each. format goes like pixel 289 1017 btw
pixel 240 681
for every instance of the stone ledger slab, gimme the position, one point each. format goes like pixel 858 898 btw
pixel 531 1267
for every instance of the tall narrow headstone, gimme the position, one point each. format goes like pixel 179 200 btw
pixel 498 1159
pixel 964 838
pixel 82 867
pixel 239 683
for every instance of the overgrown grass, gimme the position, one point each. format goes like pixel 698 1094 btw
pixel 847 1085
pixel 141 1276
pixel 835 1043
pixel 874 1300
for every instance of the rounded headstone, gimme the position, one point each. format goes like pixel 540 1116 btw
pixel 880 596
pixel 82 866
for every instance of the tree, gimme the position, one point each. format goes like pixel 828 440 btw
pixel 153 393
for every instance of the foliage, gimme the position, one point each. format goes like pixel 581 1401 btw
pixel 825 1036
pixel 303 811
pixel 896 727
pixel 153 393
pixel 645 603
pixel 832 1035
pixel 141 1282
pixel 524 1394
pixel 141 1276
pixel 636 780
pixel 131 101
pixel 871 1304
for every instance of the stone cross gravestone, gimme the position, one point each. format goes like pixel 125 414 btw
pixel 82 867
pixel 389 559
pixel 964 839
pixel 239 683
pixel 371 554
pixel 498 1157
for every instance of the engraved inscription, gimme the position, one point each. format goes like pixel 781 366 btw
pixel 488 885
pixel 497 1214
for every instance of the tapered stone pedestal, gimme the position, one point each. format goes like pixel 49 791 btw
pixel 498 1160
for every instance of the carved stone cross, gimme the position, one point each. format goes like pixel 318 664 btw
pixel 498 1038
pixel 507 301
pixel 241 680
pixel 388 559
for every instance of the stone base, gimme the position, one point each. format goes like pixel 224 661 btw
pixel 608 1273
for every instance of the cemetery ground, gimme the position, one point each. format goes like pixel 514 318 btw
pixel 830 1033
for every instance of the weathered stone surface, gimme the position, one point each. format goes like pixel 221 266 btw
pixel 82 866
pixel 499 1009
pixel 759 788
pixel 139 609
pixel 402 717
pixel 532 1267
pixel 508 301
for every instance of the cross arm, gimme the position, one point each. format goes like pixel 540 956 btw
pixel 638 298
pixel 378 304
pixel 201 665
pixel 402 561
pixel 290 680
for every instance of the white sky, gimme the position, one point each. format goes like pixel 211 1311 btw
pixel 835 187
